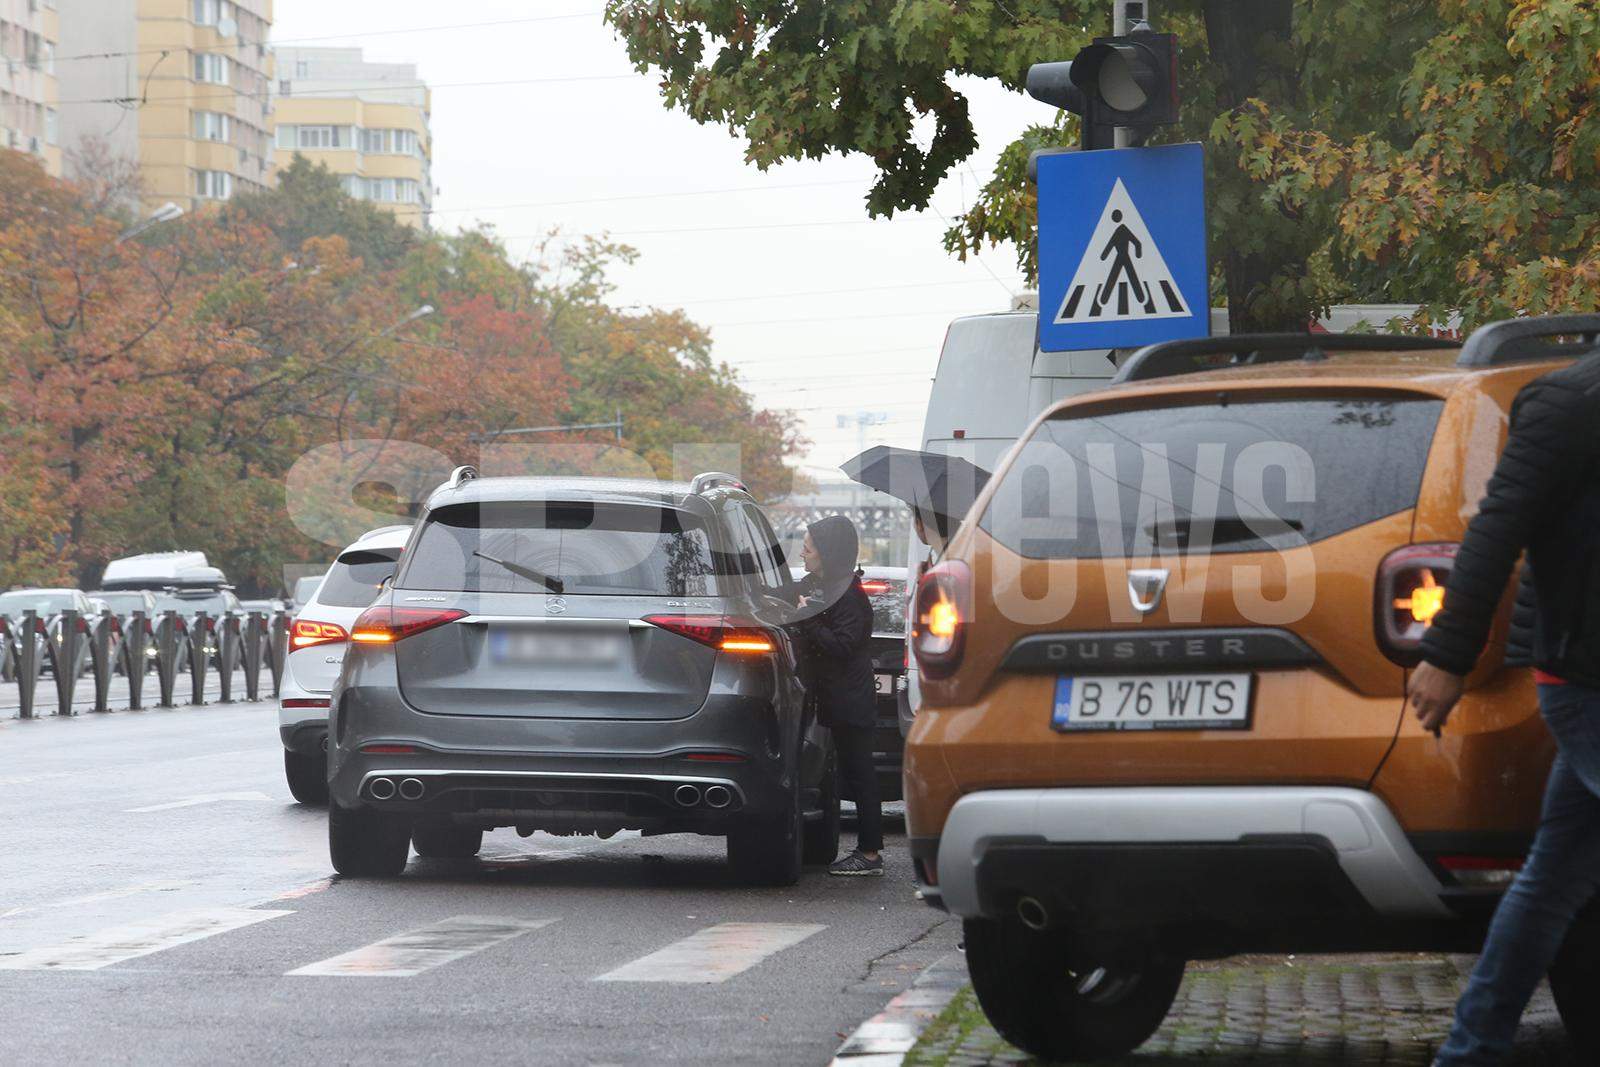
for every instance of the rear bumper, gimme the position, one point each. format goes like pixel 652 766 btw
pixel 1193 855
pixel 302 729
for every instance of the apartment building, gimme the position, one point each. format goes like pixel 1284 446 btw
pixel 28 84
pixel 368 122
pixel 182 87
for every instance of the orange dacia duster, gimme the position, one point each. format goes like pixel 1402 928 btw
pixel 1164 667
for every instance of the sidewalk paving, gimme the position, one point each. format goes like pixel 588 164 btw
pixel 1392 1009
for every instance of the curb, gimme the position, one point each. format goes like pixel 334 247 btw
pixel 884 1039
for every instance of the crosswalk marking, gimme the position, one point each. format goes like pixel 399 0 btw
pixel 119 943
pixel 412 953
pixel 714 954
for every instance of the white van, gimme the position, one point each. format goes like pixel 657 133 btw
pixel 991 382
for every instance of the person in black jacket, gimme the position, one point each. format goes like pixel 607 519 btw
pixel 1544 498
pixel 837 631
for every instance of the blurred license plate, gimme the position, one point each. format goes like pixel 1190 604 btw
pixel 885 684
pixel 1152 702
pixel 580 649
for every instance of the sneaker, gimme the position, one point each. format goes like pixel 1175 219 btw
pixel 857 865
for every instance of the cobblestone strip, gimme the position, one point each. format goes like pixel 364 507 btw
pixel 1314 1011
pixel 884 1039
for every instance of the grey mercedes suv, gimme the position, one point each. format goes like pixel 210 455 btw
pixel 580 656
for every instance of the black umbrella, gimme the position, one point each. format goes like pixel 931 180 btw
pixel 942 488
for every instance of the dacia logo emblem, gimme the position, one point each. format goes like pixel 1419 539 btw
pixel 555 606
pixel 1145 588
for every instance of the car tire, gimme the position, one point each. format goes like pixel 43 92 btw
pixel 307 777
pixel 821 844
pixel 436 841
pixel 365 844
pixel 1025 987
pixel 766 850
pixel 1575 983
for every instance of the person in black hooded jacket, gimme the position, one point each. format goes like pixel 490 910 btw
pixel 837 631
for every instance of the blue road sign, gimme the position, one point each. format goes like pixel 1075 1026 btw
pixel 1122 248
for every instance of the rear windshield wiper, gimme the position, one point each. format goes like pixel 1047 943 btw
pixel 553 584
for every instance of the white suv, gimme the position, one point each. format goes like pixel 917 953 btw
pixel 317 640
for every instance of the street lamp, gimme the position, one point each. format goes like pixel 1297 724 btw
pixel 165 213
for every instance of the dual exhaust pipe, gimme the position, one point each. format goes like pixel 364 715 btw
pixel 714 796
pixel 388 789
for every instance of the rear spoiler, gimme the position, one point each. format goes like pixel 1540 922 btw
pixel 1172 358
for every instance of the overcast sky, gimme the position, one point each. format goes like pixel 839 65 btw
pixel 822 311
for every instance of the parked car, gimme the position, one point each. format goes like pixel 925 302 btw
pixel 580 656
pixel 49 604
pixel 318 637
pixel 268 608
pixel 123 603
pixel 1208 752
pixel 218 602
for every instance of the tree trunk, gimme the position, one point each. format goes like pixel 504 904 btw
pixel 1249 41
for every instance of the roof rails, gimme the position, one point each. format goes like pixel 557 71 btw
pixel 461 476
pixel 1172 358
pixel 1517 340
pixel 714 480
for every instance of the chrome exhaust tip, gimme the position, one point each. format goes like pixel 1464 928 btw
pixel 411 789
pixel 1033 914
pixel 381 789
pixel 718 796
pixel 687 795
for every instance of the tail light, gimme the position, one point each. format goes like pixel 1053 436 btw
pixel 305 633
pixel 384 624
pixel 1409 594
pixel 875 586
pixel 719 632
pixel 943 612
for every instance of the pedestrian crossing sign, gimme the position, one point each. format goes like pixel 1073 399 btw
pixel 1122 248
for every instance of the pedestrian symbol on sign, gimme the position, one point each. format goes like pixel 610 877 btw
pixel 1121 276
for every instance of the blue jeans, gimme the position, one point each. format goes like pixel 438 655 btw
pixel 1561 874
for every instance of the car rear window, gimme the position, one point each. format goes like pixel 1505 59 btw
pixel 591 547
pixel 1222 476
pixel 355 578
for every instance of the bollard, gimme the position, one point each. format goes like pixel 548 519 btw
pixel 70 627
pixel 255 632
pixel 134 654
pixel 202 631
pixel 227 656
pixel 169 632
pixel 102 657
pixel 278 650
pixel 30 660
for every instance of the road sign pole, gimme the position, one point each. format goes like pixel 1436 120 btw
pixel 1128 15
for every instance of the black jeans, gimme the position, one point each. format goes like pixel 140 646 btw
pixel 854 746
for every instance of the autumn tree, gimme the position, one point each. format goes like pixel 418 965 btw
pixel 878 78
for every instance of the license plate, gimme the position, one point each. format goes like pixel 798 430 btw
pixel 551 649
pixel 1152 702
pixel 885 684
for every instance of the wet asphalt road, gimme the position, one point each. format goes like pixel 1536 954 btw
pixel 159 884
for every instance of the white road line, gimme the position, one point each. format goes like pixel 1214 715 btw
pixel 715 954
pixel 119 943
pixel 420 950
pixel 210 798
pixel 102 896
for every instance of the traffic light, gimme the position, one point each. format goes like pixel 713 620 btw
pixel 1131 81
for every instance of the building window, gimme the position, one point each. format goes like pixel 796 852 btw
pixel 286 136
pixel 325 137
pixel 212 126
pixel 372 141
pixel 211 12
pixel 302 68
pixel 210 68
pixel 213 184
pixel 50 125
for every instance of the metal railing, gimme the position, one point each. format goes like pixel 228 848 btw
pixel 72 647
